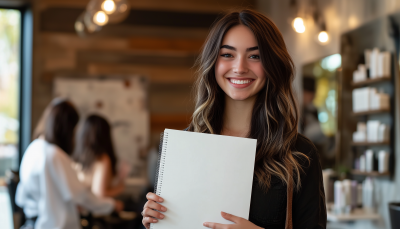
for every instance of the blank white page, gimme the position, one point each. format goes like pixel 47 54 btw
pixel 203 174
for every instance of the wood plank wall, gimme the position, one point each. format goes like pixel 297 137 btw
pixel 160 39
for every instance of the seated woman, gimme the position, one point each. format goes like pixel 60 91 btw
pixel 49 190
pixel 96 159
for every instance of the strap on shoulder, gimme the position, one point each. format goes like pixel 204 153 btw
pixel 289 221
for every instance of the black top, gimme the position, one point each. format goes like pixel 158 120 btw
pixel 268 209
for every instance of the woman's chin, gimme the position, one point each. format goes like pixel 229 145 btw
pixel 239 96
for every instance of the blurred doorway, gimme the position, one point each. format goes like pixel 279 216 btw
pixel 319 110
pixel 10 49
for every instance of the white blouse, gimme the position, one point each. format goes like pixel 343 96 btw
pixel 50 189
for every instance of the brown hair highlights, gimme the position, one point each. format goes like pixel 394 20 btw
pixel 93 141
pixel 60 120
pixel 275 114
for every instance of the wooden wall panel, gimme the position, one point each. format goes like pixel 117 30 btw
pixel 171 5
pixel 161 121
pixel 169 44
pixel 156 75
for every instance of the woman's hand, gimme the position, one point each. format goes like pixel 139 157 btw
pixel 149 213
pixel 240 223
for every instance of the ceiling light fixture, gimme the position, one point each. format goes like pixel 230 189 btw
pixel 100 18
pixel 298 25
pixel 108 6
pixel 323 37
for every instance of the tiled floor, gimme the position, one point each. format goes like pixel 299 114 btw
pixel 5 209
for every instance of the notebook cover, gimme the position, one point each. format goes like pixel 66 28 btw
pixel 200 175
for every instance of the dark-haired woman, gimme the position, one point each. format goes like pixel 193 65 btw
pixel 244 89
pixel 96 159
pixel 49 190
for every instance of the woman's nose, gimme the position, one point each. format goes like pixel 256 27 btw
pixel 240 66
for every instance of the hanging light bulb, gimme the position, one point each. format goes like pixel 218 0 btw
pixel 298 25
pixel 100 18
pixel 323 37
pixel 108 6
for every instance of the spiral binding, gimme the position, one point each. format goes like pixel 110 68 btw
pixel 162 150
pixel 161 163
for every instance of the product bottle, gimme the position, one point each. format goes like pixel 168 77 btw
pixel 354 194
pixel 368 195
pixel 347 191
pixel 339 198
pixel 383 161
pixel 369 160
pixel 362 163
pixel 359 195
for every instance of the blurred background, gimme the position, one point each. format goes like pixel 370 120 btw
pixel 132 62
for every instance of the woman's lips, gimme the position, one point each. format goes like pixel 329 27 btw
pixel 240 83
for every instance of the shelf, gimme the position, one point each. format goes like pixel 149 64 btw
pixel 371 81
pixel 371 112
pixel 370 143
pixel 371 174
pixel 356 214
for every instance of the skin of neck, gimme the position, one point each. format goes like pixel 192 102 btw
pixel 237 116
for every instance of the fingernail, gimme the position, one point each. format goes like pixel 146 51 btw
pixel 161 216
pixel 163 208
pixel 154 221
pixel 160 199
pixel 205 224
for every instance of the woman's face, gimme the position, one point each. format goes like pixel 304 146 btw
pixel 238 69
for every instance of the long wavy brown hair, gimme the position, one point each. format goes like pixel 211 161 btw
pixel 275 114
pixel 93 141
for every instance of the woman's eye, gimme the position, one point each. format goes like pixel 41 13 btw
pixel 254 57
pixel 226 55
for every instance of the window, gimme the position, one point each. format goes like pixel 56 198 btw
pixel 10 49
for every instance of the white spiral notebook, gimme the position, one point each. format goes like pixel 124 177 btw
pixel 201 175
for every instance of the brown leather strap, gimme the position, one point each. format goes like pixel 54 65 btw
pixel 289 222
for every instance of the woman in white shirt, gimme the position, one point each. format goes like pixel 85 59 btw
pixel 96 159
pixel 49 190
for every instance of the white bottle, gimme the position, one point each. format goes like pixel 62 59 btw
pixel 362 163
pixel 373 68
pixel 347 191
pixel 368 195
pixel 383 161
pixel 339 199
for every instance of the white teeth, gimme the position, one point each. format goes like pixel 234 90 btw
pixel 240 81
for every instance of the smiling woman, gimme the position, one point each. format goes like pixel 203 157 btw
pixel 244 89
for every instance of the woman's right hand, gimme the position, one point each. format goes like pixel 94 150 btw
pixel 150 215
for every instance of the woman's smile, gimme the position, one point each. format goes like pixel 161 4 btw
pixel 239 82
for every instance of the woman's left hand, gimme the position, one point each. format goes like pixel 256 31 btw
pixel 240 223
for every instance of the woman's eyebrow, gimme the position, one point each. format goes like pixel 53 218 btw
pixel 234 49
pixel 252 48
pixel 228 47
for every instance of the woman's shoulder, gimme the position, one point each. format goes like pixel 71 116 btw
pixel 102 161
pixel 307 148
